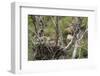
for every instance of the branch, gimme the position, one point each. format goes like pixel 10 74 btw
pixel 75 49
pixel 58 31
pixel 83 34
pixel 53 21
pixel 76 44
pixel 68 44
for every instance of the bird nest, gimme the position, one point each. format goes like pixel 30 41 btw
pixel 47 52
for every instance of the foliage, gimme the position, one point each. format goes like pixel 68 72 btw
pixel 54 34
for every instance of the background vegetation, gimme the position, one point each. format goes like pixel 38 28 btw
pixel 57 37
